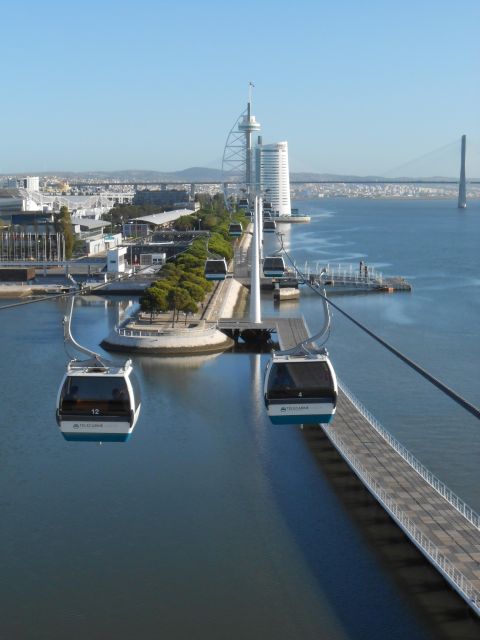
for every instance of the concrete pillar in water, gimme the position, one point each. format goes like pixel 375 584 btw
pixel 462 187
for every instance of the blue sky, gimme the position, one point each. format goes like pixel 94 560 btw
pixel 355 87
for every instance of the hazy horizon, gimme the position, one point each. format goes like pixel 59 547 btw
pixel 108 173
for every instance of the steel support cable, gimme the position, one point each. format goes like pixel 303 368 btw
pixel 451 393
pixel 55 296
pixel 43 299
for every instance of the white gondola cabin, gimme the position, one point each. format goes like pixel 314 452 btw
pixel 274 267
pixel 243 204
pixel 235 229
pixel 269 226
pixel 98 401
pixel 215 269
pixel 300 389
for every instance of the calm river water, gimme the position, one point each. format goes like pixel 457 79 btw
pixel 210 523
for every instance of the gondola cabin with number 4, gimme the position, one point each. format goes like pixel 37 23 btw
pixel 300 389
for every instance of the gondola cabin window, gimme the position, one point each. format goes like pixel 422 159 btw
pixel 95 396
pixel 301 380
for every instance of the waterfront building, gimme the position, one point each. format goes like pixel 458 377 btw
pixel 136 229
pixel 116 260
pixel 272 173
pixel 16 200
pixel 23 245
pixel 161 197
pixel 31 183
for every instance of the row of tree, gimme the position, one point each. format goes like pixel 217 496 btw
pixel 181 288
pixel 182 285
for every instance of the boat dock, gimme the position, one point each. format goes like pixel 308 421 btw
pixel 438 522
pixel 346 279
pixel 349 279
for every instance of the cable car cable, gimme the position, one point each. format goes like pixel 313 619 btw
pixel 451 393
pixel 56 296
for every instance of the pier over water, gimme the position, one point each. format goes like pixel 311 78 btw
pixel 438 522
pixel 443 527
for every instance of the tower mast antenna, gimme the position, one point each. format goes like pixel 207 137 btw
pixel 250 87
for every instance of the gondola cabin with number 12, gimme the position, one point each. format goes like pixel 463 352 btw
pixel 98 401
pixel 300 389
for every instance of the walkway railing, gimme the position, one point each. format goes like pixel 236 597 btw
pixel 457 579
pixel 467 512
pixel 347 273
pixel 152 333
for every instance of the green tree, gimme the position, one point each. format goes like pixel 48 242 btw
pixel 64 222
pixel 191 307
pixel 185 223
pixel 179 299
pixel 196 292
pixel 218 245
pixel 188 261
pixel 210 222
pixel 155 300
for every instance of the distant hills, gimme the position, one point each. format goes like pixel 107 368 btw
pixel 205 174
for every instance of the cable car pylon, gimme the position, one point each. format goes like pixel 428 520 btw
pixel 255 304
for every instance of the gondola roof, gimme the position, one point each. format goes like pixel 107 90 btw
pixel 93 365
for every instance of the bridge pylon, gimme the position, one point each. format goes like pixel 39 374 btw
pixel 462 186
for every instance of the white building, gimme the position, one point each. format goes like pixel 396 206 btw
pixel 273 174
pixel 116 260
pixel 31 183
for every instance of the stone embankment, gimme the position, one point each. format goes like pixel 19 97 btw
pixel 201 339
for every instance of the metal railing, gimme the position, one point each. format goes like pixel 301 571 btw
pixel 347 273
pixel 462 507
pixel 456 577
pixel 152 333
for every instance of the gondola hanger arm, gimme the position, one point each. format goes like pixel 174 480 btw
pixel 68 337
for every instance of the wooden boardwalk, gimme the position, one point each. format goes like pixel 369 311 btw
pixel 439 523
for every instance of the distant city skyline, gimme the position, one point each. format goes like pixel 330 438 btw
pixel 356 89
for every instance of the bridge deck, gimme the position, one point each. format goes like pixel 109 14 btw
pixel 423 507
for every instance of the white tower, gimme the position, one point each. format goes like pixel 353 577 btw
pixel 273 174
pixel 249 125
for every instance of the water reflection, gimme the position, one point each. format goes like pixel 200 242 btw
pixel 209 512
pixel 152 364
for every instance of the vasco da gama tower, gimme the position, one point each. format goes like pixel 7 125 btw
pixel 257 168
